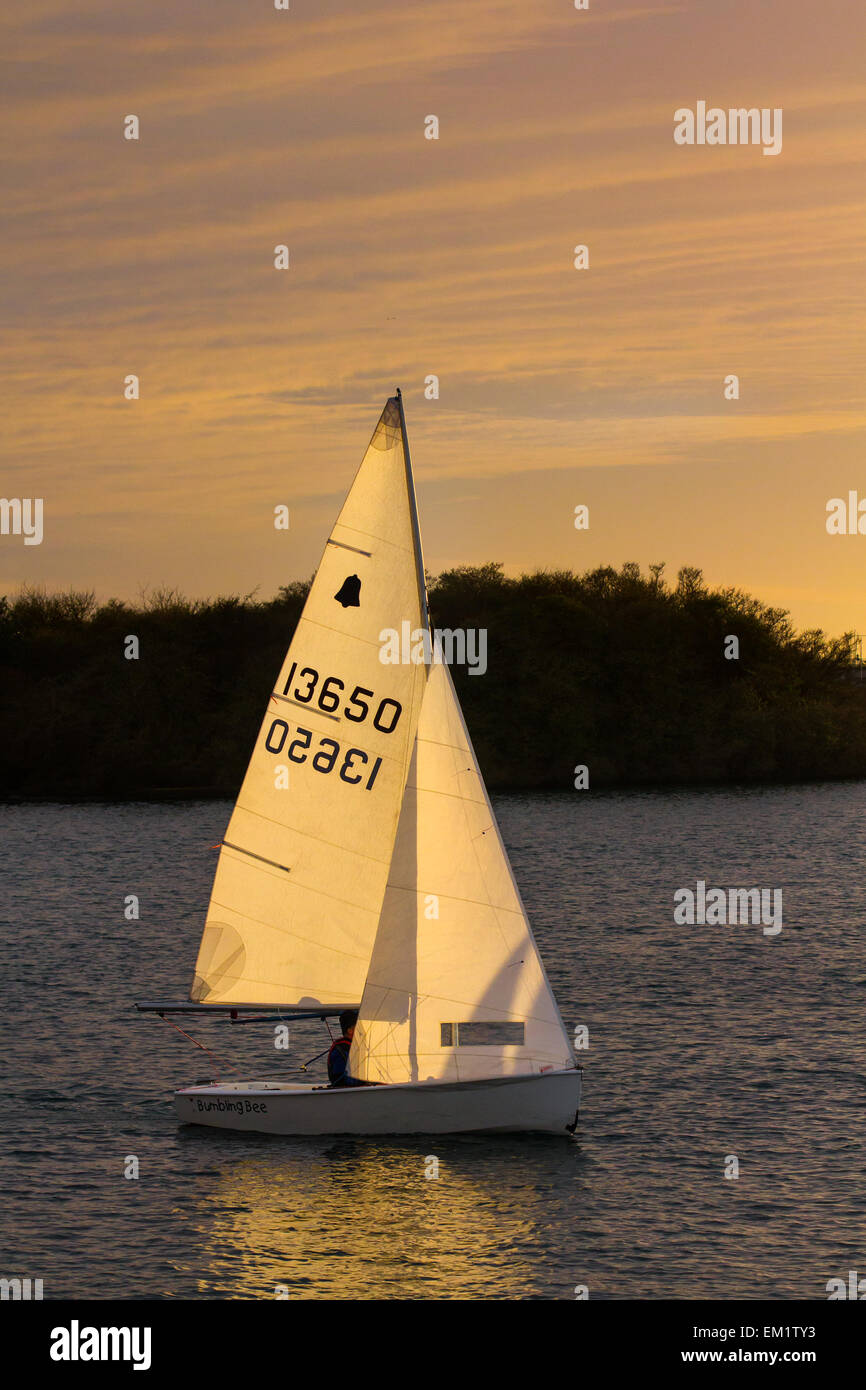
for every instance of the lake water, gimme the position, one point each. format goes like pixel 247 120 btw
pixel 705 1041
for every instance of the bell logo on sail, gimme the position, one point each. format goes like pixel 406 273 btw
pixel 349 592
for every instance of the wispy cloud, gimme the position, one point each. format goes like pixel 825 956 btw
pixel 412 257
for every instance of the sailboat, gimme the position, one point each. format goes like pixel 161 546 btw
pixel 363 868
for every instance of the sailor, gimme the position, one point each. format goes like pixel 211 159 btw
pixel 338 1056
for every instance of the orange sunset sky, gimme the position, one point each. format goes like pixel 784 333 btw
pixel 412 257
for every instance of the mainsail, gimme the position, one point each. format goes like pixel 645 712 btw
pixel 303 866
pixel 456 989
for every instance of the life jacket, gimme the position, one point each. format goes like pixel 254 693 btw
pixel 341 1048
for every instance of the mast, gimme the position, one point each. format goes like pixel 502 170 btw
pixel 413 509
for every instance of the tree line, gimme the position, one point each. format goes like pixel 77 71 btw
pixel 614 670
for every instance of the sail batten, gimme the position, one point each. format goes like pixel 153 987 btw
pixel 293 916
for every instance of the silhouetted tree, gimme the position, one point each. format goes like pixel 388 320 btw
pixel 609 668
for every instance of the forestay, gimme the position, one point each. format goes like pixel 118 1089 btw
pixel 302 869
pixel 455 980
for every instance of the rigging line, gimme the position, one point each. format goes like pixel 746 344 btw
pixel 396 1023
pixel 217 1059
pixel 409 750
pixel 318 1057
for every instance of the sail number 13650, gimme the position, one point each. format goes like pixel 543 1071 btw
pixel 331 692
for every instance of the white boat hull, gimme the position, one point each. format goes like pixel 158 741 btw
pixel 547 1102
